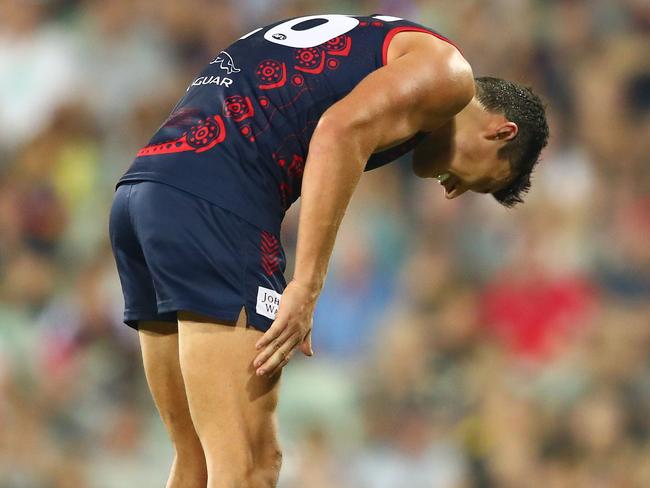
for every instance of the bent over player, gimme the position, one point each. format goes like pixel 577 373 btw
pixel 298 108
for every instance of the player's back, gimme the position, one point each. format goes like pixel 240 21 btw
pixel 239 136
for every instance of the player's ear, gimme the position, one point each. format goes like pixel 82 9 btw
pixel 505 131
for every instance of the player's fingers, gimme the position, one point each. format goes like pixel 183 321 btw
pixel 272 363
pixel 306 347
pixel 282 364
pixel 277 356
pixel 272 347
pixel 278 325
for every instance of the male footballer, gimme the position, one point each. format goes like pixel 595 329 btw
pixel 299 108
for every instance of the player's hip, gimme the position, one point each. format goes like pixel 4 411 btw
pixel 249 190
pixel 193 252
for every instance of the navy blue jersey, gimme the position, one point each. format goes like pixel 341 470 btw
pixel 239 136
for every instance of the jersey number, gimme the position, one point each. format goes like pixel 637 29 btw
pixel 333 26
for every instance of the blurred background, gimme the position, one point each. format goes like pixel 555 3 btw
pixel 458 344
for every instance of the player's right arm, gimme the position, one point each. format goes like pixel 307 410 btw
pixel 424 84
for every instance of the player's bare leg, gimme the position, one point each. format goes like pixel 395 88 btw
pixel 233 410
pixel 159 342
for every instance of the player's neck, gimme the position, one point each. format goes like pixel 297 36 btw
pixel 456 140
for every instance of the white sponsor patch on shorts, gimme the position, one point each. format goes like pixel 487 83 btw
pixel 268 302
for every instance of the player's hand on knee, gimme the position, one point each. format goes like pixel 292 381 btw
pixel 291 329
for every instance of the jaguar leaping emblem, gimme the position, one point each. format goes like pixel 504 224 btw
pixel 226 63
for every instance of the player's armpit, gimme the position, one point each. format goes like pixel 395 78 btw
pixel 417 91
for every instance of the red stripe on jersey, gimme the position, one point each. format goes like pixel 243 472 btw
pixel 393 32
pixel 270 256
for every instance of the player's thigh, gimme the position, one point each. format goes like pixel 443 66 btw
pixel 232 408
pixel 160 355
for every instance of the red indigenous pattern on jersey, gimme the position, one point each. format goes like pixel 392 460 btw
pixel 297 80
pixel 272 74
pixel 238 108
pixel 297 166
pixel 310 60
pixel 339 46
pixel 333 63
pixel 270 247
pixel 292 163
pixel 247 132
pixel 314 60
pixel 285 195
pixel 203 136
pixel 292 168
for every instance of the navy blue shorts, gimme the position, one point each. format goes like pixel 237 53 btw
pixel 175 251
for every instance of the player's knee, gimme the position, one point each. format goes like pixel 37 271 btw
pixel 271 470
pixel 189 450
pixel 189 467
pixel 258 478
pixel 271 460
pixel 259 470
pixel 267 468
pixel 276 457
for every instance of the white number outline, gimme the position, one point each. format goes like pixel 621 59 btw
pixel 336 25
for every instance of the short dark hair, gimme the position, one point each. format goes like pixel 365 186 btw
pixel 519 105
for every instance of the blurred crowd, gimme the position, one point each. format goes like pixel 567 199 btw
pixel 458 344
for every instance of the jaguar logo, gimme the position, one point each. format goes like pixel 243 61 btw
pixel 226 63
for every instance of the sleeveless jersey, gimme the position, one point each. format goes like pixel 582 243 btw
pixel 239 136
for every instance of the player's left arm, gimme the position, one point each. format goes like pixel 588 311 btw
pixel 420 90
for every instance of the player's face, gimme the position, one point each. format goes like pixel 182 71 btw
pixel 476 165
pixel 463 154
pixel 487 175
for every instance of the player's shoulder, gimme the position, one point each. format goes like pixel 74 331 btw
pixel 433 49
pixel 440 66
